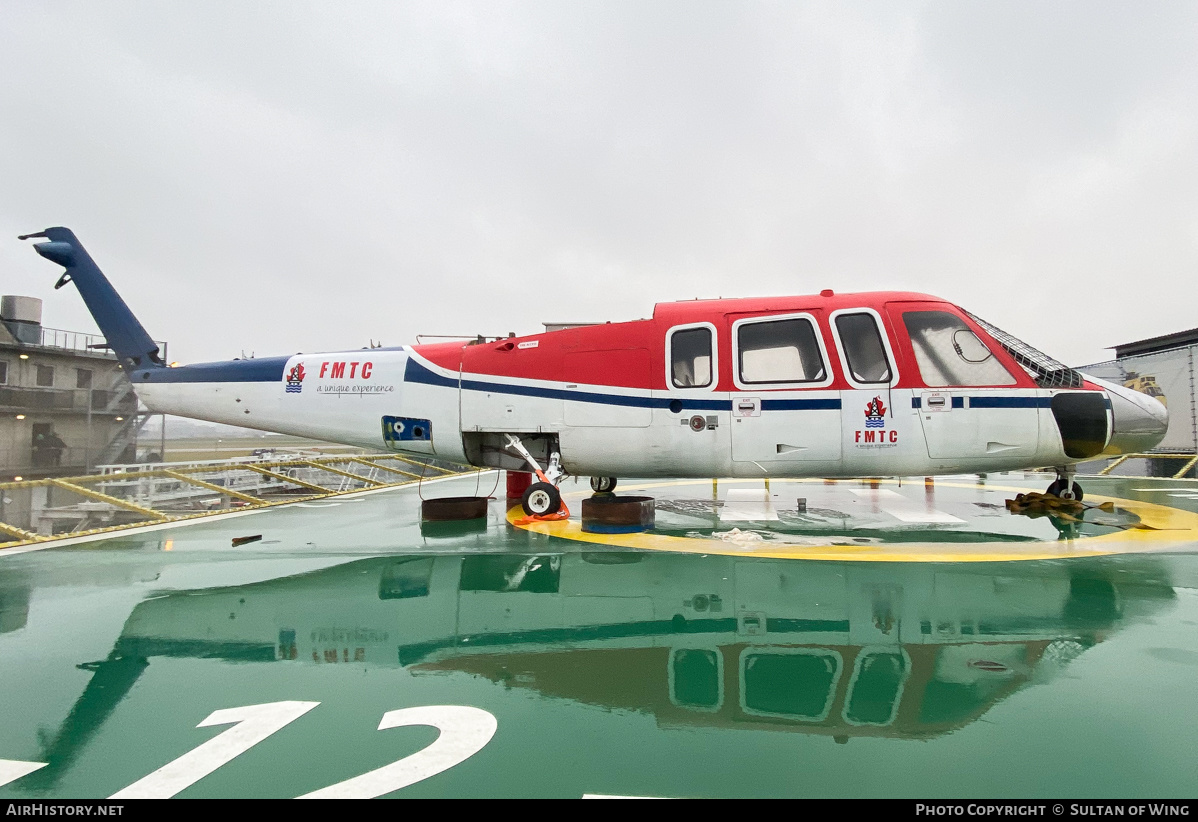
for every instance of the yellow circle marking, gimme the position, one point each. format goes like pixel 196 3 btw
pixel 1162 529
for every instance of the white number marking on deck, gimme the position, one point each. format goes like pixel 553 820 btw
pixel 13 769
pixel 254 724
pixel 464 732
pixel 904 509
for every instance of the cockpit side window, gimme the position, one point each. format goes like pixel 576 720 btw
pixel 863 348
pixel 779 351
pixel 690 358
pixel 949 354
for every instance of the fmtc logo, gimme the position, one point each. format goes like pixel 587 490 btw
pixel 875 414
pixel 295 379
pixel 875 418
pixel 336 370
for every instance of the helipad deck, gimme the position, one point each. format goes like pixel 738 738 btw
pixel 815 639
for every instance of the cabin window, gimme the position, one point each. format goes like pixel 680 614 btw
pixel 863 348
pixel 3 373
pixel 779 351
pixel 695 678
pixel 45 376
pixel 406 578
pixel 877 687
pixel 949 353
pixel 690 358
pixel 797 685
pixel 83 378
pixel 509 574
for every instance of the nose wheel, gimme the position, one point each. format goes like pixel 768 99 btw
pixel 1065 488
pixel 541 499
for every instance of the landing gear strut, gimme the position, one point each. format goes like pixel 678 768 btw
pixel 1064 487
pixel 541 499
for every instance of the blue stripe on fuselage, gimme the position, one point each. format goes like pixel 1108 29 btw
pixel 824 404
pixel 261 369
pixel 586 396
pixel 1008 402
pixel 415 372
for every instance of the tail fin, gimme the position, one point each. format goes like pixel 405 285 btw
pixel 121 329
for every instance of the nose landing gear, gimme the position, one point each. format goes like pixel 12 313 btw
pixel 1064 487
pixel 541 500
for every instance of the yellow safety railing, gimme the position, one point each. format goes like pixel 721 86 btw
pixel 240 498
pixel 1191 460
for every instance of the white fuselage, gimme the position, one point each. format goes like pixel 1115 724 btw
pixel 604 431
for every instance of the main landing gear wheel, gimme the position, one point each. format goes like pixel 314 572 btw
pixel 541 499
pixel 603 485
pixel 1057 489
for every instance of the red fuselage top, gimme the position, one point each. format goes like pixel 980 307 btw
pixel 632 354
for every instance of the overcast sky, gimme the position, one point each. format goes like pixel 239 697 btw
pixel 282 177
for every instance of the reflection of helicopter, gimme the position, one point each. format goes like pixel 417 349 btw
pixel 824 385
pixel 844 649
pixel 906 652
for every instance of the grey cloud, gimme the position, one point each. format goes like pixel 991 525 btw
pixel 277 177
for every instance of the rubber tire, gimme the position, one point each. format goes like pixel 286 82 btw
pixel 541 499
pixel 603 485
pixel 1059 485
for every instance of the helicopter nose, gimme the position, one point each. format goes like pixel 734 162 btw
pixel 1140 421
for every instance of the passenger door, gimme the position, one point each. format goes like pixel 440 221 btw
pixel 690 417
pixel 785 416
pixel 876 424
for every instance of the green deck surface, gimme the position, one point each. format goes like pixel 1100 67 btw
pixel 615 671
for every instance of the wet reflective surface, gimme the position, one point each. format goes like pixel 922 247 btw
pixel 615 671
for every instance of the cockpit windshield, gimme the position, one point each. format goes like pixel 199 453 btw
pixel 1047 372
pixel 948 353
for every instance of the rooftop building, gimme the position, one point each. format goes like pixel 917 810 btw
pixel 1152 345
pixel 65 404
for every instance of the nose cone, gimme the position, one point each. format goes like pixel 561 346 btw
pixel 1140 420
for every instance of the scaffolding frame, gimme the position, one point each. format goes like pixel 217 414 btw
pixel 1191 460
pixel 236 485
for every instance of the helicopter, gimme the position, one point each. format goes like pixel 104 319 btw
pixel 872 384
